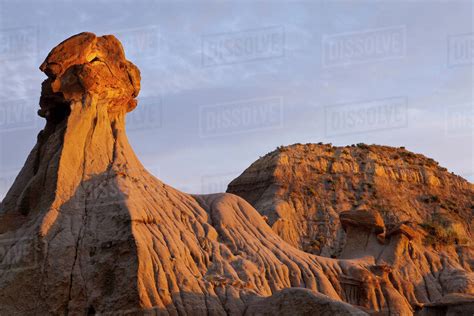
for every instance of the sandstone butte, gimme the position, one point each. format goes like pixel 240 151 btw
pixel 87 230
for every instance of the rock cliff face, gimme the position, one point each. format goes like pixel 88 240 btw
pixel 85 229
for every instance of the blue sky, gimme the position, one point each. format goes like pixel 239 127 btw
pixel 226 82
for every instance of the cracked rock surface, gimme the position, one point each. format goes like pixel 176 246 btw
pixel 85 229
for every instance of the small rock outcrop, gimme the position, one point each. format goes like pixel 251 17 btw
pixel 363 228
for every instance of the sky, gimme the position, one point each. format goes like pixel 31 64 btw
pixel 224 83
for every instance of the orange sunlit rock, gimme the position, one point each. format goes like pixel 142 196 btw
pixel 88 230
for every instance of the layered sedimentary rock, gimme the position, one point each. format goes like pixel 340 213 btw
pixel 302 189
pixel 85 229
pixel 401 210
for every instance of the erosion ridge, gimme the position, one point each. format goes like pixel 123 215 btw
pixel 92 232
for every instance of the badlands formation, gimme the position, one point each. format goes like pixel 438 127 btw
pixel 86 230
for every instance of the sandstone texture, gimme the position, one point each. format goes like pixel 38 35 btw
pixel 85 229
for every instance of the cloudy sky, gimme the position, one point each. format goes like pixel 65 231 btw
pixel 226 82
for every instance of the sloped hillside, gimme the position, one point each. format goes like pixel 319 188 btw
pixel 302 189
pixel 403 210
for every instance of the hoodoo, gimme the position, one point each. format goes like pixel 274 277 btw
pixel 87 230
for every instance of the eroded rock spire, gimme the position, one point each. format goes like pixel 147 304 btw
pixel 87 65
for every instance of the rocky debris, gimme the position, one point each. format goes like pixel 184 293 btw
pixel 86 229
pixel 296 301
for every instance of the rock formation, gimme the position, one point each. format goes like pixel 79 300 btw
pixel 363 228
pixel 294 301
pixel 400 209
pixel 302 189
pixel 453 304
pixel 85 229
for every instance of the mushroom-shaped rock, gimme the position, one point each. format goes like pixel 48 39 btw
pixel 99 234
pixel 364 219
pixel 403 229
pixel 362 227
pixel 87 65
pixel 399 245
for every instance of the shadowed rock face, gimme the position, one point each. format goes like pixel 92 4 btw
pixel 65 215
pixel 363 228
pixel 453 304
pixel 300 302
pixel 86 229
